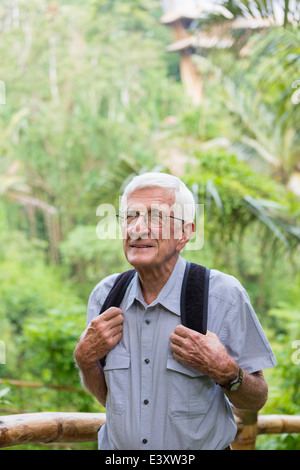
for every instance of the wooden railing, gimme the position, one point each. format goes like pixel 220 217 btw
pixel 48 427
pixel 250 425
pixel 53 427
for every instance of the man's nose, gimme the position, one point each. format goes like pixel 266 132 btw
pixel 141 225
pixel 139 230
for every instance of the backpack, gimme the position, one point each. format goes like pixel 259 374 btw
pixel 193 301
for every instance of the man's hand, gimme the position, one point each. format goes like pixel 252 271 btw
pixel 102 334
pixel 204 353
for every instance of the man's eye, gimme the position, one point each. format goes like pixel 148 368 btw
pixel 156 215
pixel 131 215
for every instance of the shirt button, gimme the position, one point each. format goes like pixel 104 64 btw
pixel 147 322
pixel 147 361
pixel 144 441
pixel 146 402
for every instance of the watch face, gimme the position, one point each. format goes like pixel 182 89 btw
pixel 235 387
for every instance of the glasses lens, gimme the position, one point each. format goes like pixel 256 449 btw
pixel 131 218
pixel 153 218
pixel 156 218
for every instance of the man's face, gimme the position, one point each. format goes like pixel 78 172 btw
pixel 148 245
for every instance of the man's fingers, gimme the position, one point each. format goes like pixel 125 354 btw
pixel 176 339
pixel 110 313
pixel 109 319
pixel 117 330
pixel 175 348
pixel 180 333
pixel 181 330
pixel 102 334
pixel 184 331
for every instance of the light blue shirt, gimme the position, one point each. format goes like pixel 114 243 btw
pixel 154 401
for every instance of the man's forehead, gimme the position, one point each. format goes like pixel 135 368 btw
pixel 151 196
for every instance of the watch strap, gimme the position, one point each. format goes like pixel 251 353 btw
pixel 236 383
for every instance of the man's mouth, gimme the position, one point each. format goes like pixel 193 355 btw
pixel 139 246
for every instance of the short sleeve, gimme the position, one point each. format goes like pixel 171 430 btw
pixel 98 296
pixel 244 337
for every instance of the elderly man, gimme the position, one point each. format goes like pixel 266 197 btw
pixel 164 385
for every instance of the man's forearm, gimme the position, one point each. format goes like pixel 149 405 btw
pixel 101 335
pixel 252 394
pixel 93 380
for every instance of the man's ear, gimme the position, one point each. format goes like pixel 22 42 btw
pixel 188 229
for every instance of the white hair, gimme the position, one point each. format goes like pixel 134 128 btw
pixel 184 199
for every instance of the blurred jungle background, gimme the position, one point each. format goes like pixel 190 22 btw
pixel 95 91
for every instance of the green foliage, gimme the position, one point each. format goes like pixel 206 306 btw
pixel 89 259
pixel 236 196
pixel 49 342
pixel 92 99
pixel 91 96
pixel 259 96
pixel 3 392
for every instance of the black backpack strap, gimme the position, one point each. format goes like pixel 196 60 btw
pixel 116 295
pixel 194 297
pixel 118 290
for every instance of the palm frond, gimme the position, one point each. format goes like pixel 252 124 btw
pixel 281 13
pixel 267 212
pixel 259 91
pixel 213 194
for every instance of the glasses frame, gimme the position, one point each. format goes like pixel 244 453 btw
pixel 119 216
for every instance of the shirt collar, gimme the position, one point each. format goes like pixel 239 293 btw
pixel 169 296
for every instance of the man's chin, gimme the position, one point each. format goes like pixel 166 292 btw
pixel 141 257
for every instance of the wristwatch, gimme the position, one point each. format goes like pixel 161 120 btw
pixel 236 383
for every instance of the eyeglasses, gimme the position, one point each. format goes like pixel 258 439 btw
pixel 152 218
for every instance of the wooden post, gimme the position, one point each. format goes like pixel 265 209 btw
pixel 191 78
pixel 247 430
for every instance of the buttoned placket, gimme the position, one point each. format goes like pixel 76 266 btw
pixel 147 331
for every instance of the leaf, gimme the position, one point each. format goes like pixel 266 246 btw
pixel 257 208
pixel 4 392
pixel 212 192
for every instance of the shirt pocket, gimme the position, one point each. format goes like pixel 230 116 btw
pixel 190 393
pixel 116 371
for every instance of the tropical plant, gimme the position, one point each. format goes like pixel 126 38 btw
pixel 14 187
pixel 237 196
pixel 226 11
pixel 258 98
pixel 3 392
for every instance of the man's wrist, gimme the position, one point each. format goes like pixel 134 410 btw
pixel 85 365
pixel 234 384
pixel 230 376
